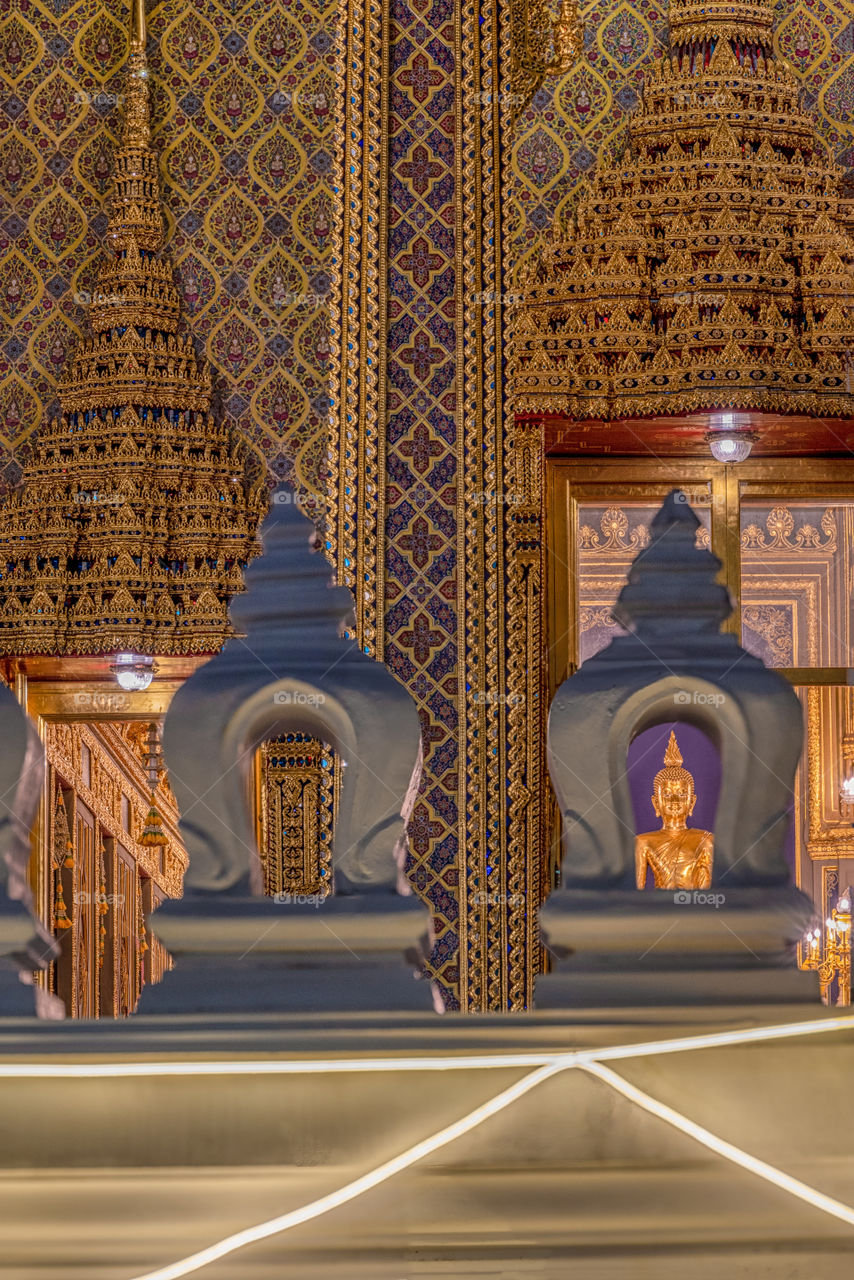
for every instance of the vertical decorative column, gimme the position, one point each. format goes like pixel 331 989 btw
pixel 431 529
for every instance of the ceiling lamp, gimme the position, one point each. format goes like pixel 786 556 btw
pixel 728 445
pixel 133 672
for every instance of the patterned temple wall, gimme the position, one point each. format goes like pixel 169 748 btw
pixel 242 108
pixel 448 590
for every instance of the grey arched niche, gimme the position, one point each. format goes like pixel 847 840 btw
pixel 292 670
pixel 748 836
pixel 674 663
pixel 210 742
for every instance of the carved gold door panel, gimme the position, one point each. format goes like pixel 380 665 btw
pixel 155 961
pixel 85 917
pixel 128 916
pixel 109 1003
pixel 797 572
pixel 294 807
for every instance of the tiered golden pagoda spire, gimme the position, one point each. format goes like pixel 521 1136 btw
pixel 136 513
pixel 709 268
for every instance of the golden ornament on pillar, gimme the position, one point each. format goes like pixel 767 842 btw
pixel 152 835
pixel 680 856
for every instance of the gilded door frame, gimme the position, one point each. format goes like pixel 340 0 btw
pixel 571 481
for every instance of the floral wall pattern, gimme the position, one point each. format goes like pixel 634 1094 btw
pixel 243 111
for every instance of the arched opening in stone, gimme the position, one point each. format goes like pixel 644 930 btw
pixel 646 758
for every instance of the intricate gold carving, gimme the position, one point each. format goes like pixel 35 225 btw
pixel 710 267
pixel 679 857
pixel 62 855
pixel 774 624
pixel 828 949
pixel 296 815
pixel 137 510
pixel 613 528
pixel 779 528
pixel 117 771
pixel 543 45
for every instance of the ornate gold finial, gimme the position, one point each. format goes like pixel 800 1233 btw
pixel 136 131
pixel 567 38
pixel 673 756
pixel 543 45
pixel 138 33
pixel 710 269
pixel 673 768
pixel 137 512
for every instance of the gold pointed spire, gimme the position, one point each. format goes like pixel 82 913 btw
pixel 138 33
pixel 673 768
pixel 673 756
pixel 136 512
pixel 136 214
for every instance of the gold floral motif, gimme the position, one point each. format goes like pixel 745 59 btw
pixel 543 45
pixel 613 528
pixel 779 528
pixel 774 625
pixel 117 771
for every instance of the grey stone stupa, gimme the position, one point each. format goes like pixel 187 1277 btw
pixel 291 669
pixel 610 942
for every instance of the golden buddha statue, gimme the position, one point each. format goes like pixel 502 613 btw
pixel 680 856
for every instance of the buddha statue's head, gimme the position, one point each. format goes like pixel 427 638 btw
pixel 673 789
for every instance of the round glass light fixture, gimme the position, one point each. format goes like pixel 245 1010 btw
pixel 728 445
pixel 846 795
pixel 133 672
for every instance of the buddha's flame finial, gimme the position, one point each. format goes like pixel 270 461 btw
pixel 673 756
pixel 672 769
pixel 137 219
